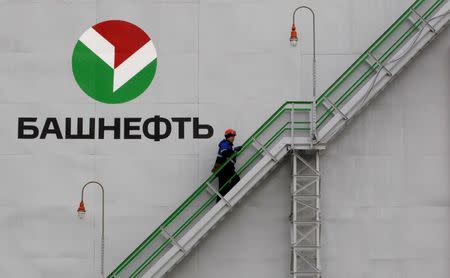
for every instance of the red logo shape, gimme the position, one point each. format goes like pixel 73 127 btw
pixel 126 38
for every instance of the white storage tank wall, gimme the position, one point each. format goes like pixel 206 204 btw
pixel 385 183
pixel 386 179
pixel 385 188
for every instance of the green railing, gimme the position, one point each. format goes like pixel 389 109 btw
pixel 196 205
pixel 199 201
pixel 391 40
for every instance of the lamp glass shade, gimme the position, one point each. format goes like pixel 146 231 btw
pixel 294 42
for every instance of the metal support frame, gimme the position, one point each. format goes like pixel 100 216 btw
pixel 216 192
pixel 266 151
pixel 423 20
pixel 305 215
pixel 336 109
pixel 167 235
pixel 380 65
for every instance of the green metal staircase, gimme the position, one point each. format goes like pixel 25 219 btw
pixel 288 131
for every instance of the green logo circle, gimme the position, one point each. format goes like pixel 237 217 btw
pixel 114 61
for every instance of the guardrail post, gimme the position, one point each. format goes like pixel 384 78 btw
pixel 423 20
pixel 292 126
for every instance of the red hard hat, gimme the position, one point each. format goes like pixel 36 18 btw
pixel 230 132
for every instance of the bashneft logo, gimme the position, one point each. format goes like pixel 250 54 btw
pixel 114 61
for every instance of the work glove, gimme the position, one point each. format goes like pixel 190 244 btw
pixel 238 148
